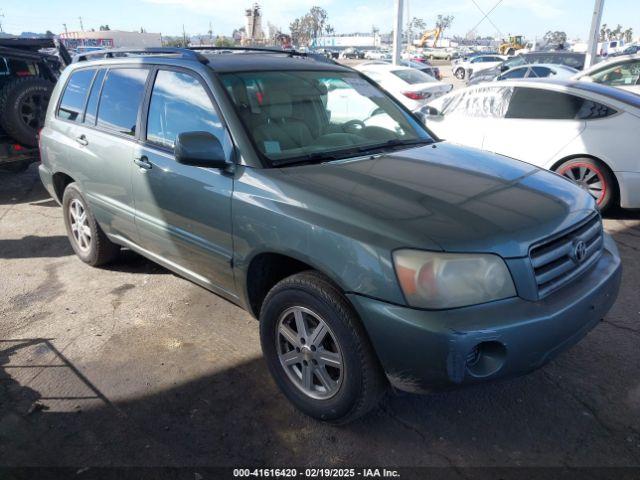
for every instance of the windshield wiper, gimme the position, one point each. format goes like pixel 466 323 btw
pixel 394 144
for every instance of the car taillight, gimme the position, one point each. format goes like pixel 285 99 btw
pixel 416 95
pixel 17 147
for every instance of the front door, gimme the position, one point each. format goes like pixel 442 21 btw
pixel 183 213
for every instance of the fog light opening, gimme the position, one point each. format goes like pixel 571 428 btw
pixel 485 359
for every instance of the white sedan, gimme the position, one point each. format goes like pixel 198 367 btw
pixel 584 131
pixel 622 72
pixel 466 66
pixel 540 70
pixel 409 86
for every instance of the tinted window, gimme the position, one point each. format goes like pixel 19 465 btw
pixel 535 103
pixel 514 73
pixel 540 72
pixel 179 103
pixel 75 93
pixel 120 100
pixel 481 102
pixel 92 103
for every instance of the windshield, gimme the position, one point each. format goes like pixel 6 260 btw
pixel 314 116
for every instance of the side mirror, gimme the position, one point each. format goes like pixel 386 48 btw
pixel 200 149
pixel 428 113
pixel 504 68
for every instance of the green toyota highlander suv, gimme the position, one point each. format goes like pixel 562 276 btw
pixel 371 252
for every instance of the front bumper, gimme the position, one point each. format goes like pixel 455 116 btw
pixel 629 183
pixel 422 350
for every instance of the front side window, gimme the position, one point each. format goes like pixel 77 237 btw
pixel 307 116
pixel 75 94
pixel 179 103
pixel 484 102
pixel 514 73
pixel 627 74
pixel 539 72
pixel 413 77
pixel 120 100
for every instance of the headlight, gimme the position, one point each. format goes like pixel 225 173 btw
pixel 448 280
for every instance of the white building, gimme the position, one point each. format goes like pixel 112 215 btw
pixel 110 39
pixel 351 40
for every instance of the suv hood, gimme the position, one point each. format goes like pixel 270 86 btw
pixel 442 196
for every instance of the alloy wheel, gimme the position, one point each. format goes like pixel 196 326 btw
pixel 33 110
pixel 587 177
pixel 309 353
pixel 79 223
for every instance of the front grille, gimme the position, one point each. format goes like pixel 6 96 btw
pixel 556 261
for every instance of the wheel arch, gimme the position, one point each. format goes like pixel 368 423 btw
pixel 266 268
pixel 575 156
pixel 60 181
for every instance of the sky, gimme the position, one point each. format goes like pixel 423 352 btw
pixel 529 17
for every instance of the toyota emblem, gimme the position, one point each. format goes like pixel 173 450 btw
pixel 579 251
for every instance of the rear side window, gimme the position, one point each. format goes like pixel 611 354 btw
pixel 120 100
pixel 533 103
pixel 179 103
pixel 75 94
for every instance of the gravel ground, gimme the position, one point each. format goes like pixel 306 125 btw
pixel 132 365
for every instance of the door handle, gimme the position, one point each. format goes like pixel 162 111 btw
pixel 143 162
pixel 82 140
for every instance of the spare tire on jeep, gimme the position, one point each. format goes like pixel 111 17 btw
pixel 23 106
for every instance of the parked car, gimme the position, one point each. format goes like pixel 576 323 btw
pixel 352 54
pixel 584 131
pixel 370 255
pixel 27 77
pixel 440 53
pixel 464 68
pixel 622 72
pixel 630 50
pixel 409 86
pixel 568 59
pixel 538 71
pixel 424 67
pixel 377 55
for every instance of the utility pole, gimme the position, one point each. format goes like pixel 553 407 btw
pixel 184 37
pixel 65 28
pixel 594 34
pixel 1 17
pixel 210 33
pixel 81 25
pixel 397 33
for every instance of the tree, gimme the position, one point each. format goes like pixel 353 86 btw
pixel 555 38
pixel 444 22
pixel 104 28
pixel 627 35
pixel 307 29
pixel 415 25
pixel 223 42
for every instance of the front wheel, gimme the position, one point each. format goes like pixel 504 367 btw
pixel 594 177
pixel 317 351
pixel 460 74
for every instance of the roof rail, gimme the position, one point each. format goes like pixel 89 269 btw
pixel 124 52
pixel 292 53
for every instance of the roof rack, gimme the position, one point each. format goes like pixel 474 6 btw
pixel 292 53
pixel 124 52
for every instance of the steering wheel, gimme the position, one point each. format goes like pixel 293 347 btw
pixel 353 126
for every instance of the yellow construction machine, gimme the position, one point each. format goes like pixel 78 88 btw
pixel 511 46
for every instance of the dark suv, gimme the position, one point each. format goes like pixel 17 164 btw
pixel 27 78
pixel 371 252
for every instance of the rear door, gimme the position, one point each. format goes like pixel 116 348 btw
pixel 108 139
pixel 183 213
pixel 537 124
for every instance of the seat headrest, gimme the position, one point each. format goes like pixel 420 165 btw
pixel 278 105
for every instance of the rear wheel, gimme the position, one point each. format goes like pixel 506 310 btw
pixel 317 351
pixel 459 73
pixel 87 238
pixel 594 177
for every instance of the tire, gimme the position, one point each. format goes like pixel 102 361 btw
pixel 23 107
pixel 355 388
pixel 98 249
pixel 580 170
pixel 460 74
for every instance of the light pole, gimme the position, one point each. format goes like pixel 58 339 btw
pixel 594 34
pixel 397 33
